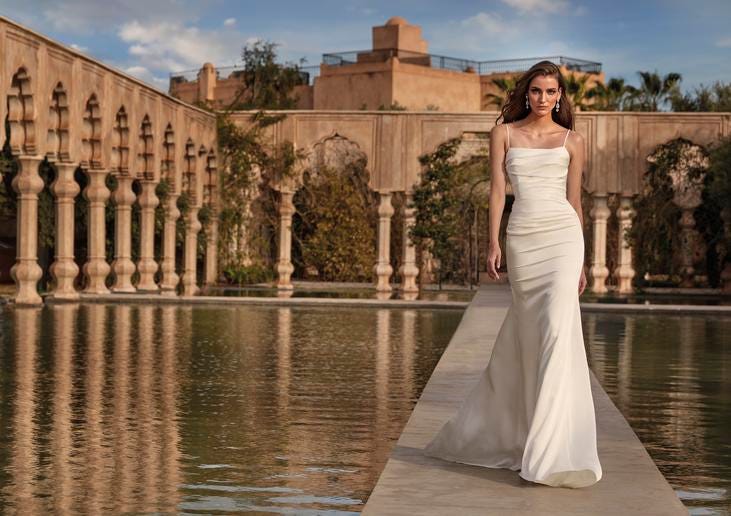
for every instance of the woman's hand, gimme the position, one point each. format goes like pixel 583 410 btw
pixel 493 261
pixel 582 281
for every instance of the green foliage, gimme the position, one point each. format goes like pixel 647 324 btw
pixel 394 106
pixel 266 84
pixel 445 202
pixel 335 223
pixel 655 233
pixel 185 202
pixel 205 215
pixel 704 98
pixel 247 275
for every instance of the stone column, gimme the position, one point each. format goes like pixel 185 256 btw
pixel 408 269
pixel 192 227
pixel 599 272
pixel 64 269
pixel 624 272
pixel 96 269
pixel 212 251
pixel 284 265
pixel 383 267
pixel 26 272
pixel 122 266
pixel 688 241
pixel 147 266
pixel 170 279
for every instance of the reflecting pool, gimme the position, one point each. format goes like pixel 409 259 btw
pixel 122 408
pixel 670 376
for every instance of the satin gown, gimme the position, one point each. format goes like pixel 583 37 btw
pixel 532 409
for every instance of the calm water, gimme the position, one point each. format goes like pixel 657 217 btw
pixel 346 292
pixel 118 408
pixel 670 375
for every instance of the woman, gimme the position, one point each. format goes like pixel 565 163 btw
pixel 532 410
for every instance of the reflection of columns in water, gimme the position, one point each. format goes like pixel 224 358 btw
pixel 284 365
pixel 122 480
pixel 122 266
pixel 624 365
pixel 383 267
pixel 147 266
pixel 598 356
pixel 383 341
pixel 284 265
pixel 26 271
pixel 408 348
pixel 599 272
pixel 60 479
pixel 96 268
pixel 64 269
pixel 147 440
pixel 170 450
pixel 24 452
pixel 96 322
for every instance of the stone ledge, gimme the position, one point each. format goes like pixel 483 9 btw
pixel 270 301
pixel 412 483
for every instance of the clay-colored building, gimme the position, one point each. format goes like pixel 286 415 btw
pixel 396 71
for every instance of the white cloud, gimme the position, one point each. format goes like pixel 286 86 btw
pixel 229 22
pixel 173 46
pixel 538 6
pixel 724 42
pixel 79 48
pixel 486 22
pixel 147 76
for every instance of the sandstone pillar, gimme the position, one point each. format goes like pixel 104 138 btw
pixel 599 272
pixel 170 279
pixel 146 266
pixel 26 272
pixel 624 272
pixel 212 252
pixel 383 267
pixel 192 227
pixel 284 265
pixel 64 269
pixel 122 266
pixel 408 269
pixel 96 269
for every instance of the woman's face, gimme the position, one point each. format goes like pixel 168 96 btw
pixel 543 92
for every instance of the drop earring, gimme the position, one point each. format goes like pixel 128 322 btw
pixel 527 104
pixel 557 106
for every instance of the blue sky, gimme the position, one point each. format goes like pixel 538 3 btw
pixel 151 38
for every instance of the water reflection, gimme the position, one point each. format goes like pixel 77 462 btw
pixel 670 375
pixel 119 408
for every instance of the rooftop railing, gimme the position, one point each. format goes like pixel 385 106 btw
pixel 309 73
pixel 454 63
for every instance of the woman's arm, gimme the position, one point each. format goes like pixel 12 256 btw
pixel 498 137
pixel 575 146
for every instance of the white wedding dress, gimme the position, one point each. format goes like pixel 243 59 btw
pixel 532 409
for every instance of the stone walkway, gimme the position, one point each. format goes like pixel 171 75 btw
pixel 412 483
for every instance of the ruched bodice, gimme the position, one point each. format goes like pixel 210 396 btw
pixel 538 178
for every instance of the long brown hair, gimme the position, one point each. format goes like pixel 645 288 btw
pixel 514 109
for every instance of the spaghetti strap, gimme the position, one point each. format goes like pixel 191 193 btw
pixel 566 138
pixel 507 128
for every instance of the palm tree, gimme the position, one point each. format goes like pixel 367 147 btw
pixel 576 90
pixel 609 96
pixel 505 85
pixel 653 91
